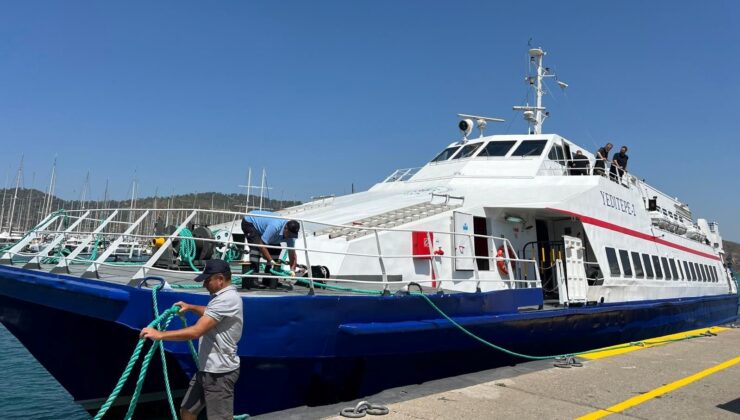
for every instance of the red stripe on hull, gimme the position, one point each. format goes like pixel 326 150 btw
pixel 636 234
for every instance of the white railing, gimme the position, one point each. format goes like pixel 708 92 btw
pixel 106 225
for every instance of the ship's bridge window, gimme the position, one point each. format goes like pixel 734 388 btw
pixel 497 148
pixel 530 148
pixel 556 154
pixel 467 151
pixel 611 257
pixel 445 154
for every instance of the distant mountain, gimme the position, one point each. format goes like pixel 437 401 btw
pixel 732 253
pixel 25 216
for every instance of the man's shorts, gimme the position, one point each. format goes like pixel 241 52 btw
pixel 214 391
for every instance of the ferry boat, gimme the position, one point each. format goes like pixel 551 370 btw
pixel 497 231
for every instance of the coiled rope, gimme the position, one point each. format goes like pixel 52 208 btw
pixel 161 322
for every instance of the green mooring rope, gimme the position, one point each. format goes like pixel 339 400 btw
pixel 556 356
pixel 161 321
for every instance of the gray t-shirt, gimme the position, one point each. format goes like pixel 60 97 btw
pixel 217 348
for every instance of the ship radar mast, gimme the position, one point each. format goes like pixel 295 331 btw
pixel 536 115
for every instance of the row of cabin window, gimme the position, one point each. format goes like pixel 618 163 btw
pixel 492 148
pixel 645 266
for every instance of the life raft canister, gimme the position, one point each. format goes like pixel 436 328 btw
pixel 501 260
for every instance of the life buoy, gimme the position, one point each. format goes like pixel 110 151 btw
pixel 501 260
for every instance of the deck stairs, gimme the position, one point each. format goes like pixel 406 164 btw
pixel 389 219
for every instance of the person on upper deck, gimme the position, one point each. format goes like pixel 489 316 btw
pixel 602 157
pixel 579 164
pixel 260 231
pixel 619 164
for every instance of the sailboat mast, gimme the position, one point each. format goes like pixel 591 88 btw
pixel 15 195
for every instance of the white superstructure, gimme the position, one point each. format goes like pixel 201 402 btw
pixel 637 242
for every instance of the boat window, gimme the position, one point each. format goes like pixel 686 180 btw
pixel 656 265
pixel 673 268
pixel 556 154
pixel 666 269
pixel 648 266
pixel 530 148
pixel 699 273
pixel 704 272
pixel 467 151
pixel 716 276
pixel 626 267
pixel 686 270
pixel 497 148
pixel 611 257
pixel 692 266
pixel 445 154
pixel 680 270
pixel 638 265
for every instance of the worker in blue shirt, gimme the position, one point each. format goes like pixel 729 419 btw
pixel 260 231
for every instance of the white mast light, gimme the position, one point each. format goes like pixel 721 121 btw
pixel 536 115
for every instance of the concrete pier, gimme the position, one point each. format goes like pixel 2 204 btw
pixel 697 378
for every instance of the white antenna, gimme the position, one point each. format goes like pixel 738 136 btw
pixel 536 115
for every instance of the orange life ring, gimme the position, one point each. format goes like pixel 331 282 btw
pixel 501 260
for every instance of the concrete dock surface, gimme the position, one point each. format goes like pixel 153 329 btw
pixel 691 379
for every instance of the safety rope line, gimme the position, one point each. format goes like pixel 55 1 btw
pixel 556 356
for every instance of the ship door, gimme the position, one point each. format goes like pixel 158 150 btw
pixel 481 244
pixel 575 272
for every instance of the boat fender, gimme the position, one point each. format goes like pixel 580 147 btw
pixel 501 260
pixel 320 272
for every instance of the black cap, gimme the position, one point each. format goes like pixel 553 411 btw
pixel 293 227
pixel 213 267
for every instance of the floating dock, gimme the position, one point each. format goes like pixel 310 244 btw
pixel 697 378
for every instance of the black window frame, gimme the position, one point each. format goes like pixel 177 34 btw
pixel 666 268
pixel 624 258
pixel 471 147
pixel 686 269
pixel 484 150
pixel 674 270
pixel 613 261
pixel 637 265
pixel 438 158
pixel 701 273
pixel 539 144
pixel 656 266
pixel 716 273
pixel 559 158
pixel 648 266
pixel 692 266
pixel 706 274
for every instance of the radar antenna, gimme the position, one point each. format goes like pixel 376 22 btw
pixel 480 122
pixel 536 115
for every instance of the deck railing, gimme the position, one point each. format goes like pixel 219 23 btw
pixel 119 228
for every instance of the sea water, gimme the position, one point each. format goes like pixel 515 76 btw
pixel 27 390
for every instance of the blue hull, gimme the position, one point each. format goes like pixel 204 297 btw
pixel 321 349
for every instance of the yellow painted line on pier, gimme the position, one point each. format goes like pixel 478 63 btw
pixel 651 342
pixel 626 404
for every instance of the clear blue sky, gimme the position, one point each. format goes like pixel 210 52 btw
pixel 323 94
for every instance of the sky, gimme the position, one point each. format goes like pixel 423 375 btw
pixel 187 95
